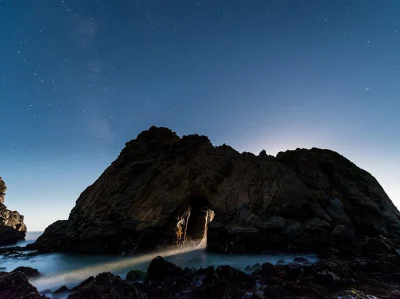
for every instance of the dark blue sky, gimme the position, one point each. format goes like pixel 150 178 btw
pixel 80 78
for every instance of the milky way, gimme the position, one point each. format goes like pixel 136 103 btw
pixel 80 78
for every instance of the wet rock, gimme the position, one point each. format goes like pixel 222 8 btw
pixel 13 249
pixel 15 285
pixel 327 278
pixel 135 275
pixel 28 271
pixel 354 294
pixel 107 286
pixel 300 260
pixel 235 276
pixel 165 274
pixel 253 268
pixel 275 292
pixel 211 277
pixel 269 270
pixel 52 239
pixel 220 289
pixel 62 289
pixel 323 279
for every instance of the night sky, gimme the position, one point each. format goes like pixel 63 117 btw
pixel 79 78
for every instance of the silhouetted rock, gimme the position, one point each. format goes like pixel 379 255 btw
pixel 235 276
pixel 62 289
pixel 164 189
pixel 28 271
pixel 8 235
pixel 220 289
pixel 300 259
pixel 165 274
pixel 53 238
pixel 107 286
pixel 268 269
pixel 323 279
pixel 15 285
pixel 253 267
pixel 135 275
pixel 12 227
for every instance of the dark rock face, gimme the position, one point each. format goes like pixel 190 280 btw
pixel 15 285
pixel 62 289
pixel 53 238
pixel 12 227
pixel 107 286
pixel 162 273
pixel 28 271
pixel 8 235
pixel 164 190
pixel 135 275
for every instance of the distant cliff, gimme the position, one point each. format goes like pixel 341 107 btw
pixel 12 227
pixel 165 190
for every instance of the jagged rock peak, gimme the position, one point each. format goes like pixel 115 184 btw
pixel 157 133
pixel 158 139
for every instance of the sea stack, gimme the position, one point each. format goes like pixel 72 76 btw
pixel 169 190
pixel 12 227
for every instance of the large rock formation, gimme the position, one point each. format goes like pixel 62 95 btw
pixel 164 190
pixel 12 227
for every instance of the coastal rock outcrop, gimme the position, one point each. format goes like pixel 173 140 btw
pixel 12 227
pixel 332 278
pixel 16 285
pixel 357 278
pixel 107 286
pixel 165 190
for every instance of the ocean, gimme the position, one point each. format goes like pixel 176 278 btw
pixel 60 269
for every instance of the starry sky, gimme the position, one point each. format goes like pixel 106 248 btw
pixel 80 78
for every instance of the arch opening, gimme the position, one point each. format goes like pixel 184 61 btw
pixel 192 226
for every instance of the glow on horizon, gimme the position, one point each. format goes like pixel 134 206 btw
pixel 384 170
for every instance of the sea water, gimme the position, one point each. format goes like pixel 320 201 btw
pixel 60 269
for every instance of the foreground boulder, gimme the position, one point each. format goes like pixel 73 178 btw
pixel 27 271
pixel 107 286
pixel 135 275
pixel 165 190
pixel 15 285
pixel 12 227
pixel 166 276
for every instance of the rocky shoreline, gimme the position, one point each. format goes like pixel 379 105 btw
pixel 377 277
pixel 12 226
